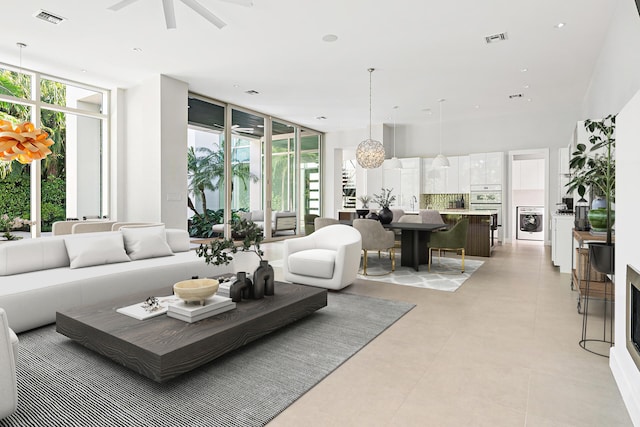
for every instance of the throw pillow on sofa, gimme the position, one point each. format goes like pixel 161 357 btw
pixel 95 250
pixel 146 242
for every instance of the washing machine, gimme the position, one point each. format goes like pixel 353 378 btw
pixel 530 223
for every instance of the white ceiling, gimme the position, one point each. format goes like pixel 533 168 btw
pixel 423 50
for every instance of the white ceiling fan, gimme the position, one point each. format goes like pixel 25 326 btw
pixel 238 129
pixel 170 15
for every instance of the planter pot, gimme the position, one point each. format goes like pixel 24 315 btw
pixel 599 203
pixel 241 288
pixel 602 257
pixel 385 215
pixel 598 219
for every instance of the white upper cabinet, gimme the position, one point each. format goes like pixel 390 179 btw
pixel 464 178
pixel 563 159
pixel 451 180
pixel 486 168
pixel 404 183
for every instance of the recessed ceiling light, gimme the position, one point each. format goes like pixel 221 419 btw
pixel 329 38
pixel 83 70
pixel 526 86
pixel 529 99
pixel 137 49
pixel 524 70
pixel 48 17
pixel 477 107
pixel 236 85
pixel 560 25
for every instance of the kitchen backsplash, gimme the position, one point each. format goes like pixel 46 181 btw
pixel 443 201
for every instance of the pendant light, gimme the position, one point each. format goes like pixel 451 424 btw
pixel 23 142
pixel 441 161
pixel 394 162
pixel 370 153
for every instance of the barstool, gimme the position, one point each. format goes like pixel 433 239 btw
pixel 602 259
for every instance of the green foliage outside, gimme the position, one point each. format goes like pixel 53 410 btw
pixel 14 176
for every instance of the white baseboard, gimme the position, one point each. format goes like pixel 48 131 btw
pixel 625 381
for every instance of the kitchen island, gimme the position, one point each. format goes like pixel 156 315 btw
pixel 482 228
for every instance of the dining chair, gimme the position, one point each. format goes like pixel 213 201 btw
pixel 322 221
pixel 375 238
pixel 454 239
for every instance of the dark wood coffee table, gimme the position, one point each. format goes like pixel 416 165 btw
pixel 162 347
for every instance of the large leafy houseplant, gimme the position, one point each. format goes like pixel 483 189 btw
pixel 593 167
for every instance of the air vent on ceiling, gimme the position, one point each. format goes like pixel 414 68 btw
pixel 49 17
pixel 496 38
pixel 252 92
pixel 515 96
pixel 321 118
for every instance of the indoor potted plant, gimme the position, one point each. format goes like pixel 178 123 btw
pixel 384 200
pixel 594 168
pixel 365 199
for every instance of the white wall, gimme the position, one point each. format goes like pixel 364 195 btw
pixel 155 162
pixel 614 88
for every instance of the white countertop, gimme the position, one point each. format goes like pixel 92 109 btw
pixel 467 212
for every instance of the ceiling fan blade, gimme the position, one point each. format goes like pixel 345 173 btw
pixel 121 4
pixel 204 12
pixel 246 3
pixel 169 14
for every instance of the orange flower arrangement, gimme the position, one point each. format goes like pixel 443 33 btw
pixel 23 142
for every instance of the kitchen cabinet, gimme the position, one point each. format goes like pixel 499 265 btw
pixel 405 183
pixel 562 242
pixel 563 161
pixel 451 180
pixel 486 168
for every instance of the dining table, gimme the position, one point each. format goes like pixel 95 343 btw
pixel 414 241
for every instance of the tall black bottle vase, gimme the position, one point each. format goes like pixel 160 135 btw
pixel 263 280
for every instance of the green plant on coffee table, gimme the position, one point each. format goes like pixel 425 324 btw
pixel 218 251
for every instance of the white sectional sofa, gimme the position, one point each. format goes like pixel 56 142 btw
pixel 41 276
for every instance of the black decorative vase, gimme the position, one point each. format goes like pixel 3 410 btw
pixel 263 280
pixel 372 215
pixel 385 215
pixel 602 257
pixel 241 288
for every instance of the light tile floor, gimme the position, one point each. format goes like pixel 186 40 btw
pixel 500 351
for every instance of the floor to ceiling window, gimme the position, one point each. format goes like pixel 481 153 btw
pixel 255 184
pixel 72 181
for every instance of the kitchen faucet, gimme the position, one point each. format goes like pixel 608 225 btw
pixel 413 202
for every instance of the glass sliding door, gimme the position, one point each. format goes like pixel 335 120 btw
pixel 309 195
pixel 283 167
pixel 205 168
pixel 247 138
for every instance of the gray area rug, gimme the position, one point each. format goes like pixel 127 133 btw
pixel 444 276
pixel 60 383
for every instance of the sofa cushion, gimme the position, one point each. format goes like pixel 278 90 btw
pixel 313 262
pixel 257 215
pixel 32 255
pixel 105 248
pixel 146 242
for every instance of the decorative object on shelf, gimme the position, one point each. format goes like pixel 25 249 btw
pixel 365 199
pixel 597 171
pixel 7 225
pixel 394 162
pixel 370 153
pixel 581 222
pixel 263 280
pixel 241 288
pixel 362 213
pixel 599 203
pixel 440 161
pixel 196 290
pixel 384 200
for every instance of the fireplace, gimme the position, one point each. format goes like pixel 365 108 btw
pixel 633 314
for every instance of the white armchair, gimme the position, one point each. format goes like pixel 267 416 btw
pixel 8 358
pixel 328 258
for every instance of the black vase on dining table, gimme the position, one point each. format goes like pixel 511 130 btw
pixel 385 215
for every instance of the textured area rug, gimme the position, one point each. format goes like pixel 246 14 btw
pixel 60 383
pixel 444 276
